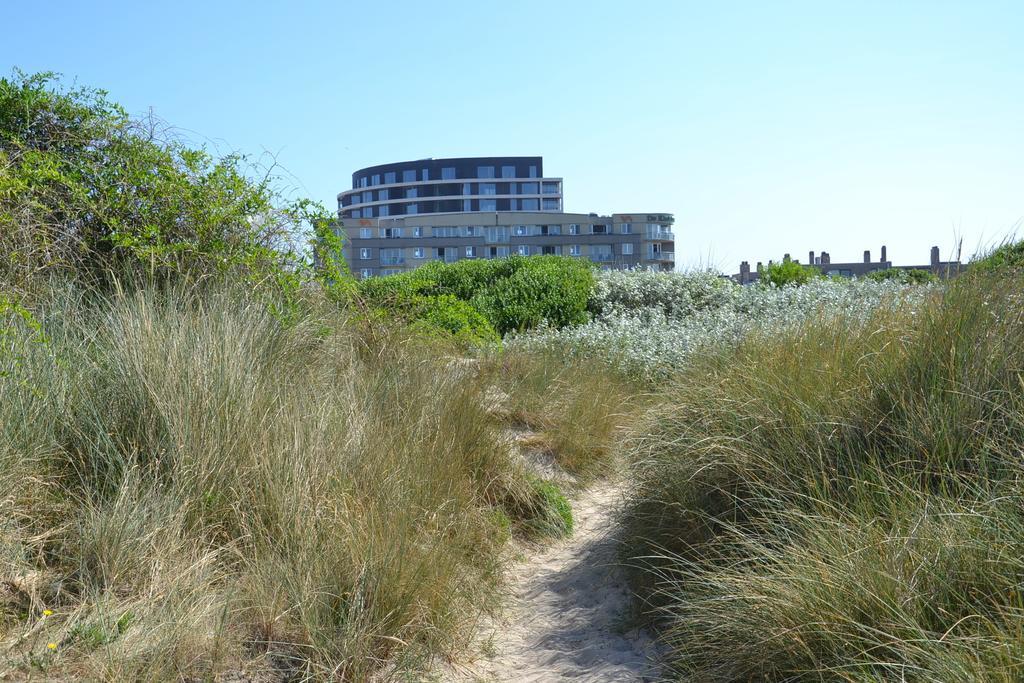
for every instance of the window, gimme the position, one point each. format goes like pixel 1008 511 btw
pixel 425 174
pixel 365 233
pixel 362 182
pixel 508 171
pixel 364 253
pixel 551 205
pixel 367 196
pixel 550 250
pixel 496 233
pixel 383 210
pixel 529 204
pixel 519 231
pixel 392 233
pixel 409 176
pixel 391 257
pixel 601 252
pixel 356 214
pixel 513 188
pixel 627 248
pixel 488 205
pixel 368 212
pixel 383 195
pixel 417 231
pixel 497 252
pixel 418 252
pixel 533 172
pixel 390 271
pixel 366 272
pixel 472 231
pixel 550 188
pixel 599 229
pixel 574 250
pixel 467 204
pixel 488 188
pixel 467 188
pixel 444 231
pixel 574 228
pixel 470 252
pixel 484 171
pixel 389 178
pixel 529 188
pixel 410 193
pixel 522 250
pixel 626 228
pixel 513 204
pixel 448 173
pixel 550 229
pixel 376 179
pixel 412 208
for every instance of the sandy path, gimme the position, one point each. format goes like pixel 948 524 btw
pixel 566 611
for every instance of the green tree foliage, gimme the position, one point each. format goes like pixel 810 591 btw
pixel 788 272
pixel 914 276
pixel 87 190
pixel 513 294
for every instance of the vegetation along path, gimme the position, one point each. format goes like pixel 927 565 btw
pixel 568 613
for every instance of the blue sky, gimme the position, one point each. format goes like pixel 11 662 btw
pixel 764 127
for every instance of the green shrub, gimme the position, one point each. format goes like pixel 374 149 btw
pixel 914 276
pixel 1009 255
pixel 514 293
pixel 452 317
pixel 788 273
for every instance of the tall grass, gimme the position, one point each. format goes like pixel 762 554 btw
pixel 843 502
pixel 191 486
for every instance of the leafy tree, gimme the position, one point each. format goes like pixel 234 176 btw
pixel 87 190
pixel 788 272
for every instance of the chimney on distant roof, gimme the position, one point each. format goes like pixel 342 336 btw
pixel 825 258
pixel 810 257
pixel 935 257
pixel 744 272
pixel 867 256
pixel 883 254
pixel 785 258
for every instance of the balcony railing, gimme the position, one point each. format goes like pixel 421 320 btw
pixel 392 260
pixel 601 257
pixel 661 235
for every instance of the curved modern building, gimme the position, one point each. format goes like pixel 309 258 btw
pixel 399 216
pixel 451 186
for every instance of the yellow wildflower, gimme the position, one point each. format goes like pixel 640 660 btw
pixel 51 646
pixel 47 612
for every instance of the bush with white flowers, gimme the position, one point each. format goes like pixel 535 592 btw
pixel 648 324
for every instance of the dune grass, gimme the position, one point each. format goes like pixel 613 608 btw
pixel 843 502
pixel 193 486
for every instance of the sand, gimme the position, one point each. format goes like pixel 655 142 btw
pixel 567 615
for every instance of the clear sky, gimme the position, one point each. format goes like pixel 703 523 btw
pixel 765 127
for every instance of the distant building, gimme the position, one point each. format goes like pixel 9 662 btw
pixel 823 262
pixel 399 216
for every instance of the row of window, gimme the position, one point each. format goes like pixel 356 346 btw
pixel 411 208
pixel 396 257
pixel 447 173
pixel 467 189
pixel 500 233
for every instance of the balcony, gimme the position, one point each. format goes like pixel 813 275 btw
pixel 392 260
pixel 663 235
pixel 601 258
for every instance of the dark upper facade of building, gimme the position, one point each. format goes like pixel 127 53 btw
pixel 467 184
